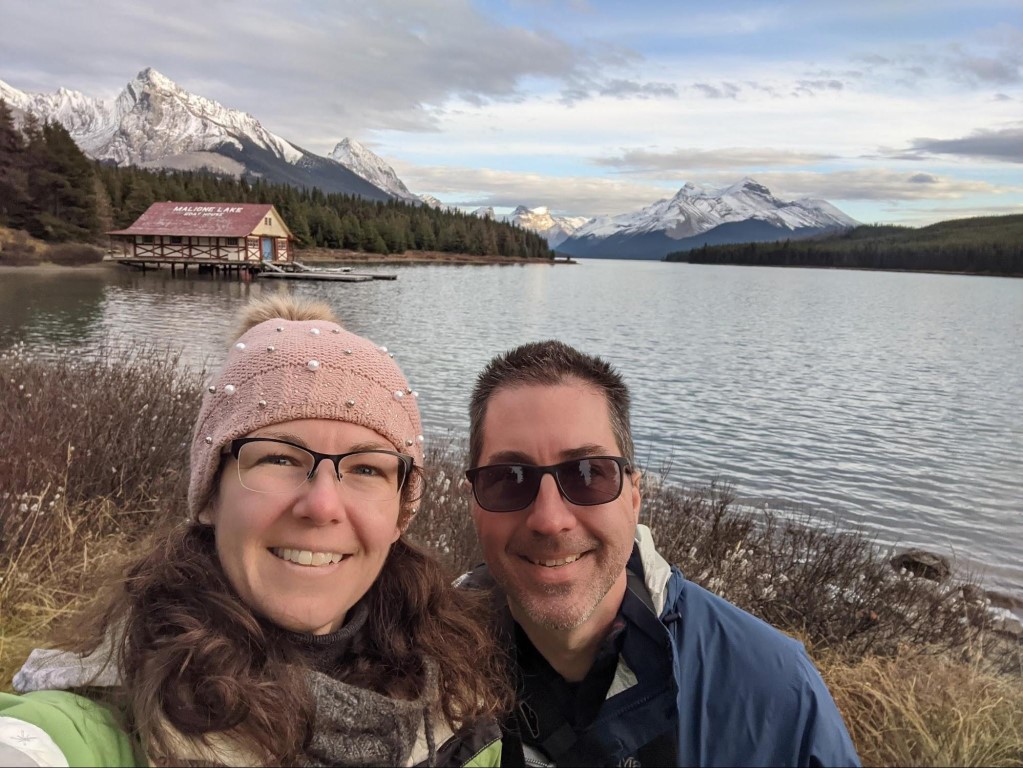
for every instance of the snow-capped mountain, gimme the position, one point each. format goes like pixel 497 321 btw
pixel 429 199
pixel 695 216
pixel 556 229
pixel 370 166
pixel 539 220
pixel 156 123
pixel 89 120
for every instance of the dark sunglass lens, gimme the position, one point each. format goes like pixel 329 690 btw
pixel 505 488
pixel 590 481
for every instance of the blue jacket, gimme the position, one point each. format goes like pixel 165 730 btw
pixel 732 689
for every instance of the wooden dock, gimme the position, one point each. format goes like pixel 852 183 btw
pixel 337 277
pixel 294 270
pixel 299 271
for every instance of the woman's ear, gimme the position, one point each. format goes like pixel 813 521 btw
pixel 208 515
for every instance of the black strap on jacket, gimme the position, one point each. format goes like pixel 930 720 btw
pixel 539 718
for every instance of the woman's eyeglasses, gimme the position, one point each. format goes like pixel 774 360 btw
pixel 268 465
pixel 585 482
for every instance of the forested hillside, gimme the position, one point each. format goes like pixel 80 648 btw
pixel 985 245
pixel 51 190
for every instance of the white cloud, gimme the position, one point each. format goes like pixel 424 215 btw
pixel 881 184
pixel 684 161
pixel 574 196
pixel 589 196
pixel 513 101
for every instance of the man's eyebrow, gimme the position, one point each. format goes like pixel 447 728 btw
pixel 590 449
pixel 510 457
pixel 581 452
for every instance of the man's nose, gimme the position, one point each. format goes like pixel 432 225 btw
pixel 550 514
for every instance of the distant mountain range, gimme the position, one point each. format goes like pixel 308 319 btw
pixel 154 123
pixel 695 216
pixel 556 229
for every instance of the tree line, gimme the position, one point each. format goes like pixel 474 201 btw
pixel 991 245
pixel 52 190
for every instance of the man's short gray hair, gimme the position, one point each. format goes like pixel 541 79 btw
pixel 548 363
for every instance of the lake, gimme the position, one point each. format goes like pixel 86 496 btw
pixel 887 402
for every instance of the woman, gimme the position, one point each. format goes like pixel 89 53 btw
pixel 288 621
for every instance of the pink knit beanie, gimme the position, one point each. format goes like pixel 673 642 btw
pixel 280 370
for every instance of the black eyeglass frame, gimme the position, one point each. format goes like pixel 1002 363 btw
pixel 407 462
pixel 624 468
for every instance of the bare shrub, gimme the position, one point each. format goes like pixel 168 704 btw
pixel 443 523
pixel 835 590
pixel 114 426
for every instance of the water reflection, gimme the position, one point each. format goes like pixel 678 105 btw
pixel 47 307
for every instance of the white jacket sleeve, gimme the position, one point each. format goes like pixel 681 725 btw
pixel 25 744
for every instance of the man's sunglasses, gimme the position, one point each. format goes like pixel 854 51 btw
pixel 585 482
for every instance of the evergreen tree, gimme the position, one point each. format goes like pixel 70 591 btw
pixel 15 200
pixel 140 196
pixel 66 193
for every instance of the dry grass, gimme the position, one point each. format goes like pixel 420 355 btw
pixel 97 457
pixel 19 249
pixel 927 710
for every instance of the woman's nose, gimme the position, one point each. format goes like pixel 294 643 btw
pixel 322 499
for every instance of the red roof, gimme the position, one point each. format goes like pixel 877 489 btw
pixel 199 219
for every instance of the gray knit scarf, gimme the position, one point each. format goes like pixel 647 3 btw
pixel 357 727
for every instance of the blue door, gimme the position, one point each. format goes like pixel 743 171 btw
pixel 266 246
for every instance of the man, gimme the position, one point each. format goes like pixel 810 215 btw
pixel 620 660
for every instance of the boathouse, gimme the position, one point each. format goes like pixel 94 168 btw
pixel 227 234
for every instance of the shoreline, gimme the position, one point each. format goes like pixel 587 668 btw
pixel 319 257
pixel 50 268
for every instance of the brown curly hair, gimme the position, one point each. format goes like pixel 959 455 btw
pixel 194 656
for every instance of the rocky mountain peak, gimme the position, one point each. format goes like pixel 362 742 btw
pixel 365 163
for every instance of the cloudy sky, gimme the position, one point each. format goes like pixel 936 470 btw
pixel 906 111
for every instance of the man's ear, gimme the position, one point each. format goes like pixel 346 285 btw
pixel 637 493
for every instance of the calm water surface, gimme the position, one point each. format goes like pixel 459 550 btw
pixel 888 401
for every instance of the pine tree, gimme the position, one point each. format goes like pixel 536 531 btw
pixel 14 194
pixel 66 194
